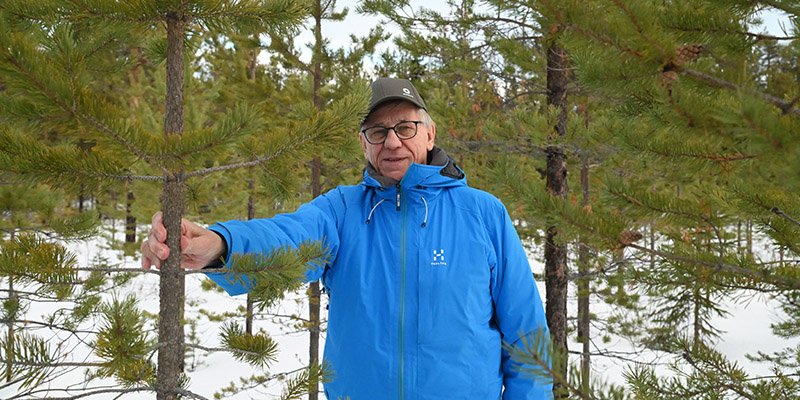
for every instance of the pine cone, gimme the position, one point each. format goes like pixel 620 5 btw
pixel 627 237
pixel 688 53
pixel 667 78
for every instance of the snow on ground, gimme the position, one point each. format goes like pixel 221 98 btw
pixel 745 331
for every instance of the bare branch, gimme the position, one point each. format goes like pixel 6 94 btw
pixel 785 106
pixel 780 213
pixel 100 391
pixel 783 6
pixel 56 365
pixel 765 275
pixel 222 349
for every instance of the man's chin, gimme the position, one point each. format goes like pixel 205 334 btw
pixel 395 172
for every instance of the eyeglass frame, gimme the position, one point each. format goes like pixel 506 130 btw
pixel 392 128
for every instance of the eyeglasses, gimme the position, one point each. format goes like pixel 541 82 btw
pixel 404 130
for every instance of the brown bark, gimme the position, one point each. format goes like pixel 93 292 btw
pixel 314 299
pixel 135 78
pixel 252 64
pixel 130 219
pixel 251 213
pixel 10 343
pixel 555 254
pixel 172 284
pixel 584 290
pixel 749 233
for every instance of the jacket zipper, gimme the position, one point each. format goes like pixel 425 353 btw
pixel 402 294
pixel 398 197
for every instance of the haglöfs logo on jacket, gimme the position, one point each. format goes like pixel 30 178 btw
pixel 438 258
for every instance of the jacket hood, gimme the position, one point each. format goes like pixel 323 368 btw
pixel 441 171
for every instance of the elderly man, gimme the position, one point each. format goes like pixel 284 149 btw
pixel 428 277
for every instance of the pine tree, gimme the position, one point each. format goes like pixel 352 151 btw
pixel 65 94
pixel 695 132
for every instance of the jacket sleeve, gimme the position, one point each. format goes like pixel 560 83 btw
pixel 313 221
pixel 519 313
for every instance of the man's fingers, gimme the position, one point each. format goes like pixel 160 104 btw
pixel 157 230
pixel 154 249
pixel 186 246
pixel 157 218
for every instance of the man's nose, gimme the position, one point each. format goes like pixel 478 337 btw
pixel 392 140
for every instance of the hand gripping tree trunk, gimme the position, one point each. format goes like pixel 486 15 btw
pixel 172 284
pixel 555 254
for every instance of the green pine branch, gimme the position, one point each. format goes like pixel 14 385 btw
pixel 29 258
pixel 259 350
pixel 60 166
pixel 281 270
pixel 123 344
pixel 329 125
pixel 31 357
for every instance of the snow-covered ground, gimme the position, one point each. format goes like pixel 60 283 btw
pixel 745 331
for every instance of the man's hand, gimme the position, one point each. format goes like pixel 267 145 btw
pixel 199 246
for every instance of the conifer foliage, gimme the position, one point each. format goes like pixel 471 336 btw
pixel 682 120
pixel 56 62
pixel 692 137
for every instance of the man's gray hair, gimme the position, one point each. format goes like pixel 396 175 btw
pixel 425 117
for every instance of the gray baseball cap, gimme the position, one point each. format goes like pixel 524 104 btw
pixel 387 89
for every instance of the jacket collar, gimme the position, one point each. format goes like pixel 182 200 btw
pixel 441 171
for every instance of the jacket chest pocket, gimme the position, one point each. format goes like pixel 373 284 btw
pixel 454 296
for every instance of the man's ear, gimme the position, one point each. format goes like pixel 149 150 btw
pixel 431 136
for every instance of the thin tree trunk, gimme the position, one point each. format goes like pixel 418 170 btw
pixel 172 284
pixel 749 237
pixel 130 219
pixel 314 298
pixel 584 289
pixel 252 64
pixel 739 237
pixel 696 293
pixel 555 254
pixel 12 297
pixel 652 245
pixel 251 213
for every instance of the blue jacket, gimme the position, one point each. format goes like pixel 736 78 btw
pixel 428 278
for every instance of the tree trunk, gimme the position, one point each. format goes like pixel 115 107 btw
pixel 555 255
pixel 749 237
pixel 130 220
pixel 696 333
pixel 252 64
pixel 652 245
pixel 172 284
pixel 251 213
pixel 584 290
pixel 314 299
pixel 739 237
pixel 12 297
